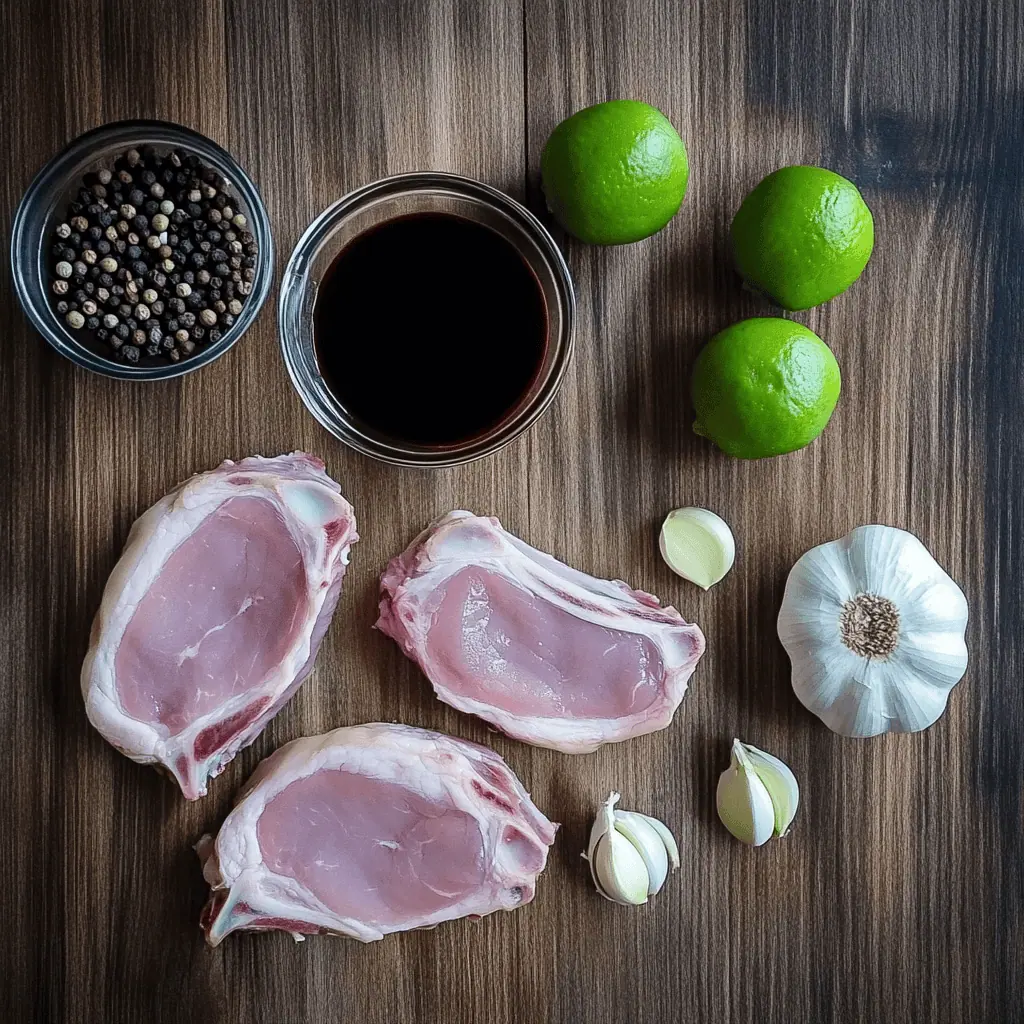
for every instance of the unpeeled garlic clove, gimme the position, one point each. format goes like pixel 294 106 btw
pixel 758 795
pixel 630 854
pixel 697 545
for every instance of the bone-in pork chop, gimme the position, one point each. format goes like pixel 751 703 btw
pixel 543 652
pixel 373 829
pixel 213 615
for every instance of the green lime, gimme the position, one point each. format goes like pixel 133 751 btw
pixel 764 386
pixel 615 172
pixel 803 236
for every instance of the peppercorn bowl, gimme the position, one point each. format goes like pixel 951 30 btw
pixel 42 212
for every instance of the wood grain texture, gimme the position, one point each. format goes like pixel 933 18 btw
pixel 899 894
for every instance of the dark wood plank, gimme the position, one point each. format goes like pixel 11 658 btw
pixel 899 894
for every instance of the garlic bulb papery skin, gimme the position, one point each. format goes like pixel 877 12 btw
pixel 757 795
pixel 874 628
pixel 698 545
pixel 630 854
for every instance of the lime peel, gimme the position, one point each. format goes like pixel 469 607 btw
pixel 698 545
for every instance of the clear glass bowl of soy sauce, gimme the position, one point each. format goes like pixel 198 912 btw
pixel 427 319
pixel 43 205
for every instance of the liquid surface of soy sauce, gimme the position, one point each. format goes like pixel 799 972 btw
pixel 429 328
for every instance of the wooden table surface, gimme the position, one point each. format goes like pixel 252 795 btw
pixel 898 895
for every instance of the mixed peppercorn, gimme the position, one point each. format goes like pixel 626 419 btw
pixel 154 257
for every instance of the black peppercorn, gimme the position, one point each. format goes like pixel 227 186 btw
pixel 63 306
pixel 187 320
pixel 214 336
pixel 171 325
pixel 103 247
pixel 198 260
pixel 92 323
pixel 123 331
pixel 131 353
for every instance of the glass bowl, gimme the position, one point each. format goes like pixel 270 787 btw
pixel 398 196
pixel 42 208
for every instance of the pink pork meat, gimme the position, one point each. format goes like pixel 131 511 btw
pixel 213 615
pixel 545 653
pixel 373 829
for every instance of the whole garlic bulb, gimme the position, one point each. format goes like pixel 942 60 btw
pixel 875 631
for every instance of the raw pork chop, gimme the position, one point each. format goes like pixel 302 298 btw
pixel 213 615
pixel 547 654
pixel 370 830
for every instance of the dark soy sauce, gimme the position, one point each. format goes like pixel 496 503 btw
pixel 429 328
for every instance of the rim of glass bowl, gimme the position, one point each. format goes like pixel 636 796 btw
pixel 297 299
pixel 50 189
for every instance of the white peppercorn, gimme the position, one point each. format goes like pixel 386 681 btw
pixel 89 307
pixel 75 320
pixel 108 264
pixel 159 222
pixel 149 296
pixel 89 257
pixel 181 335
pixel 234 307
pixel 110 321
pixel 63 231
pixel 64 269
pixel 167 207
pixel 208 317
pixel 141 312
pixel 153 242
pixel 60 286
pixel 183 290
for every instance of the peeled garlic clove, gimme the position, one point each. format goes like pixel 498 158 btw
pixel 663 831
pixel 781 784
pixel 744 803
pixel 620 870
pixel 697 545
pixel 629 854
pixel 649 845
